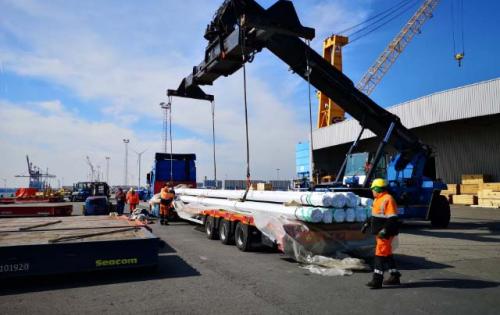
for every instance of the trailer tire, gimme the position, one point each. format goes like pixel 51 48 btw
pixel 440 212
pixel 225 235
pixel 242 237
pixel 210 228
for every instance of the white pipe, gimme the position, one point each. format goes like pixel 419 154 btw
pixel 307 198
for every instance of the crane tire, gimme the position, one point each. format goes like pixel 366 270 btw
pixel 440 212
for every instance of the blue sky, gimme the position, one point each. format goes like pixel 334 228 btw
pixel 79 76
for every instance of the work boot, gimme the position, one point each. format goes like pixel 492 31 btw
pixel 166 222
pixel 162 220
pixel 376 282
pixel 393 279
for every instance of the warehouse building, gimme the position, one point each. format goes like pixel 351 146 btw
pixel 462 125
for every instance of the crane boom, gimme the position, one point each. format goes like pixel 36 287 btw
pixel 91 166
pixel 241 28
pixel 382 64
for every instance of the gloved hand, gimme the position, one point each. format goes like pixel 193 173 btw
pixel 382 234
pixel 365 226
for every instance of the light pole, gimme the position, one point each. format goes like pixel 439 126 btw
pixel 4 184
pixel 98 173
pixel 166 107
pixel 277 174
pixel 126 141
pixel 107 169
pixel 139 158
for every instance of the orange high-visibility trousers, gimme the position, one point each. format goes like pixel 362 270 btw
pixel 164 210
pixel 384 246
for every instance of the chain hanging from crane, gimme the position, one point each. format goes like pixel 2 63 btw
pixel 457 23
pixel 169 109
pixel 245 102
pixel 213 141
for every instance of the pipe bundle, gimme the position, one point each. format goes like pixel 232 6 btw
pixel 314 207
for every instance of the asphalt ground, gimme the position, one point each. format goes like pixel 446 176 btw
pixel 448 271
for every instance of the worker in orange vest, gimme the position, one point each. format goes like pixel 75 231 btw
pixel 384 223
pixel 132 199
pixel 167 196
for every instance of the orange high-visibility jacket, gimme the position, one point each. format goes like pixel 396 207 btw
pixel 385 214
pixel 166 196
pixel 384 206
pixel 133 198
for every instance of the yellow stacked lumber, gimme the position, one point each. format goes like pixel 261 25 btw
pixel 452 189
pixel 491 186
pixel 469 189
pixel 264 186
pixel 489 198
pixel 464 200
pixel 490 203
pixel 473 178
pixel 489 194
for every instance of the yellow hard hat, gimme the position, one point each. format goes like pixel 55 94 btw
pixel 379 183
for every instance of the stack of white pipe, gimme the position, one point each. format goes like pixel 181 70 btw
pixel 312 207
pixel 318 199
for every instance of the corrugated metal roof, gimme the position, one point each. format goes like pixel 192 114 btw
pixel 475 100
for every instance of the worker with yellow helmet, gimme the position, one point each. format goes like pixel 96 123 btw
pixel 384 223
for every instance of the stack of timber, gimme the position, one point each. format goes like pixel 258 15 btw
pixel 261 186
pixel 452 189
pixel 474 190
pixel 489 195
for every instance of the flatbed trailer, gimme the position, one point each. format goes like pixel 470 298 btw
pixel 36 209
pixel 56 245
pixel 296 239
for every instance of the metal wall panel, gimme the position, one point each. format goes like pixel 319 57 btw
pixel 468 146
pixel 480 99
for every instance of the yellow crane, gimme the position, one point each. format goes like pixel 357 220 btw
pixel 329 112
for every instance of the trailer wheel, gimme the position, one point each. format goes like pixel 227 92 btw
pixel 242 237
pixel 225 235
pixel 440 212
pixel 210 229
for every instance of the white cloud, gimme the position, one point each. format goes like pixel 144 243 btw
pixel 52 106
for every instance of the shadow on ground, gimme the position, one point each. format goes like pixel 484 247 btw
pixel 492 228
pixel 165 248
pixel 169 266
pixel 407 262
pixel 448 283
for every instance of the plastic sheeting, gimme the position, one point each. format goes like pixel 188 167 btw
pixel 327 266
